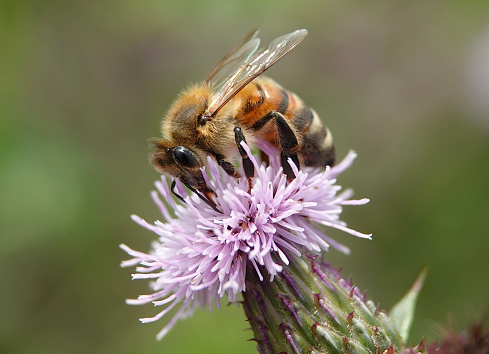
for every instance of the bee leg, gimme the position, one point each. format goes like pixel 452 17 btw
pixel 172 188
pixel 288 143
pixel 288 140
pixel 206 190
pixel 248 166
pixel 227 166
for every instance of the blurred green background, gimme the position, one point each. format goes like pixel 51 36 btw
pixel 84 84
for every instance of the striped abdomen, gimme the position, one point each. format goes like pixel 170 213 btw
pixel 263 96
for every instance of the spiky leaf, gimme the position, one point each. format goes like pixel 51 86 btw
pixel 403 312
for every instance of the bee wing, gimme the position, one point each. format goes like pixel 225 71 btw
pixel 237 55
pixel 251 67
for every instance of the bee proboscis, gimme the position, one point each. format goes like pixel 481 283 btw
pixel 236 104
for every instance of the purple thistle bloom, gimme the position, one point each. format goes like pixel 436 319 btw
pixel 202 254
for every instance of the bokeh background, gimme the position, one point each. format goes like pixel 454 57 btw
pixel 84 84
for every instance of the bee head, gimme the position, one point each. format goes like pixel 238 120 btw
pixel 178 161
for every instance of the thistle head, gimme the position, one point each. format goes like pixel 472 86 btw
pixel 202 254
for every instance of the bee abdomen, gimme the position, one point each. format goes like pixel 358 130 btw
pixel 317 148
pixel 254 100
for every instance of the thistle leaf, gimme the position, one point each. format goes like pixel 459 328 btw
pixel 403 312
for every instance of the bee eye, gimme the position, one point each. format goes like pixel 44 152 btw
pixel 185 158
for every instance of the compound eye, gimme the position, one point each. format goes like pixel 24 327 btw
pixel 185 158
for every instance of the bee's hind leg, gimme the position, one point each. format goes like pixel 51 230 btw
pixel 289 145
pixel 249 168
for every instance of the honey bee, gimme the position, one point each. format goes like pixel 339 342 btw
pixel 235 98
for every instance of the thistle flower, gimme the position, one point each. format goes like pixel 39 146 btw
pixel 203 254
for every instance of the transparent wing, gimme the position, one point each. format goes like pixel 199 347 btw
pixel 244 70
pixel 234 59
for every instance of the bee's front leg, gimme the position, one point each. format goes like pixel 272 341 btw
pixel 248 166
pixel 207 197
pixel 175 193
pixel 226 166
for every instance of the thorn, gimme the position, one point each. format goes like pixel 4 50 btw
pixel 291 283
pixel 260 303
pixel 266 341
pixel 320 302
pixel 285 327
pixel 421 346
pixel 312 262
pixel 313 327
pixel 289 306
pixel 318 271
pixel 257 320
pixel 352 292
pixel 377 310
